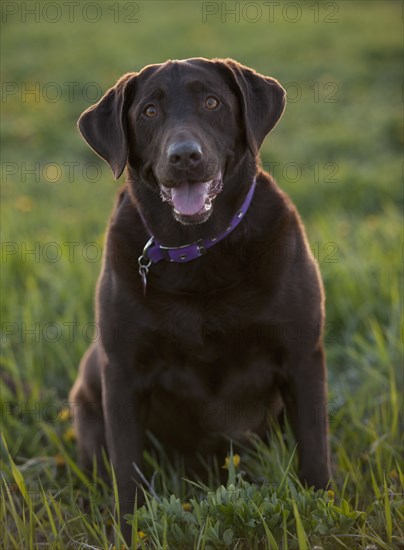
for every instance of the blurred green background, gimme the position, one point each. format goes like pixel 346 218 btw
pixel 336 151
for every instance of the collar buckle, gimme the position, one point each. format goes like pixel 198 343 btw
pixel 200 246
pixel 144 263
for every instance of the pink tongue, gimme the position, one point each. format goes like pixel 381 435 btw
pixel 189 198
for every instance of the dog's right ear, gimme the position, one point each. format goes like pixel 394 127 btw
pixel 262 101
pixel 103 125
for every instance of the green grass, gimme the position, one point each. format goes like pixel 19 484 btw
pixel 353 220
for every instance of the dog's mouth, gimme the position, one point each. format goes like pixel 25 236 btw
pixel 192 201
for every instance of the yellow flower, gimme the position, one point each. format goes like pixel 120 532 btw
pixel 69 434
pixel 64 415
pixel 394 474
pixel 330 494
pixel 52 174
pixel 141 535
pixel 60 460
pixel 236 462
pixel 24 203
pixel 187 506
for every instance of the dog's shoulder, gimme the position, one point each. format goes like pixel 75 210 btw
pixel 284 242
pixel 125 215
pixel 125 234
pixel 275 213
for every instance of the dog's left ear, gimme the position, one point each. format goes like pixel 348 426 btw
pixel 262 99
pixel 103 125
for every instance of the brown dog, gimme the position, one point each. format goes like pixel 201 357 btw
pixel 218 322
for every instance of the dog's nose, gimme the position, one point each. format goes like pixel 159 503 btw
pixel 184 154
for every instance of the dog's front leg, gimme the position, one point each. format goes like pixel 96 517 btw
pixel 305 397
pixel 125 406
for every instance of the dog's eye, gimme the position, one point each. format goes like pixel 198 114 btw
pixel 150 111
pixel 211 102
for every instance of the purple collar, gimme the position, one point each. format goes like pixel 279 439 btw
pixel 154 252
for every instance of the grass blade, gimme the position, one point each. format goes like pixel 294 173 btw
pixel 301 533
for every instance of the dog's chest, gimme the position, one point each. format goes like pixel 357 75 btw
pixel 214 370
pixel 225 386
pixel 201 355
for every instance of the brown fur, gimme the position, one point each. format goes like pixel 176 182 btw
pixel 234 331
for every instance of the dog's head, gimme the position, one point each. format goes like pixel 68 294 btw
pixel 182 127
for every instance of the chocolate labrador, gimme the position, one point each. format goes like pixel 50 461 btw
pixel 209 305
